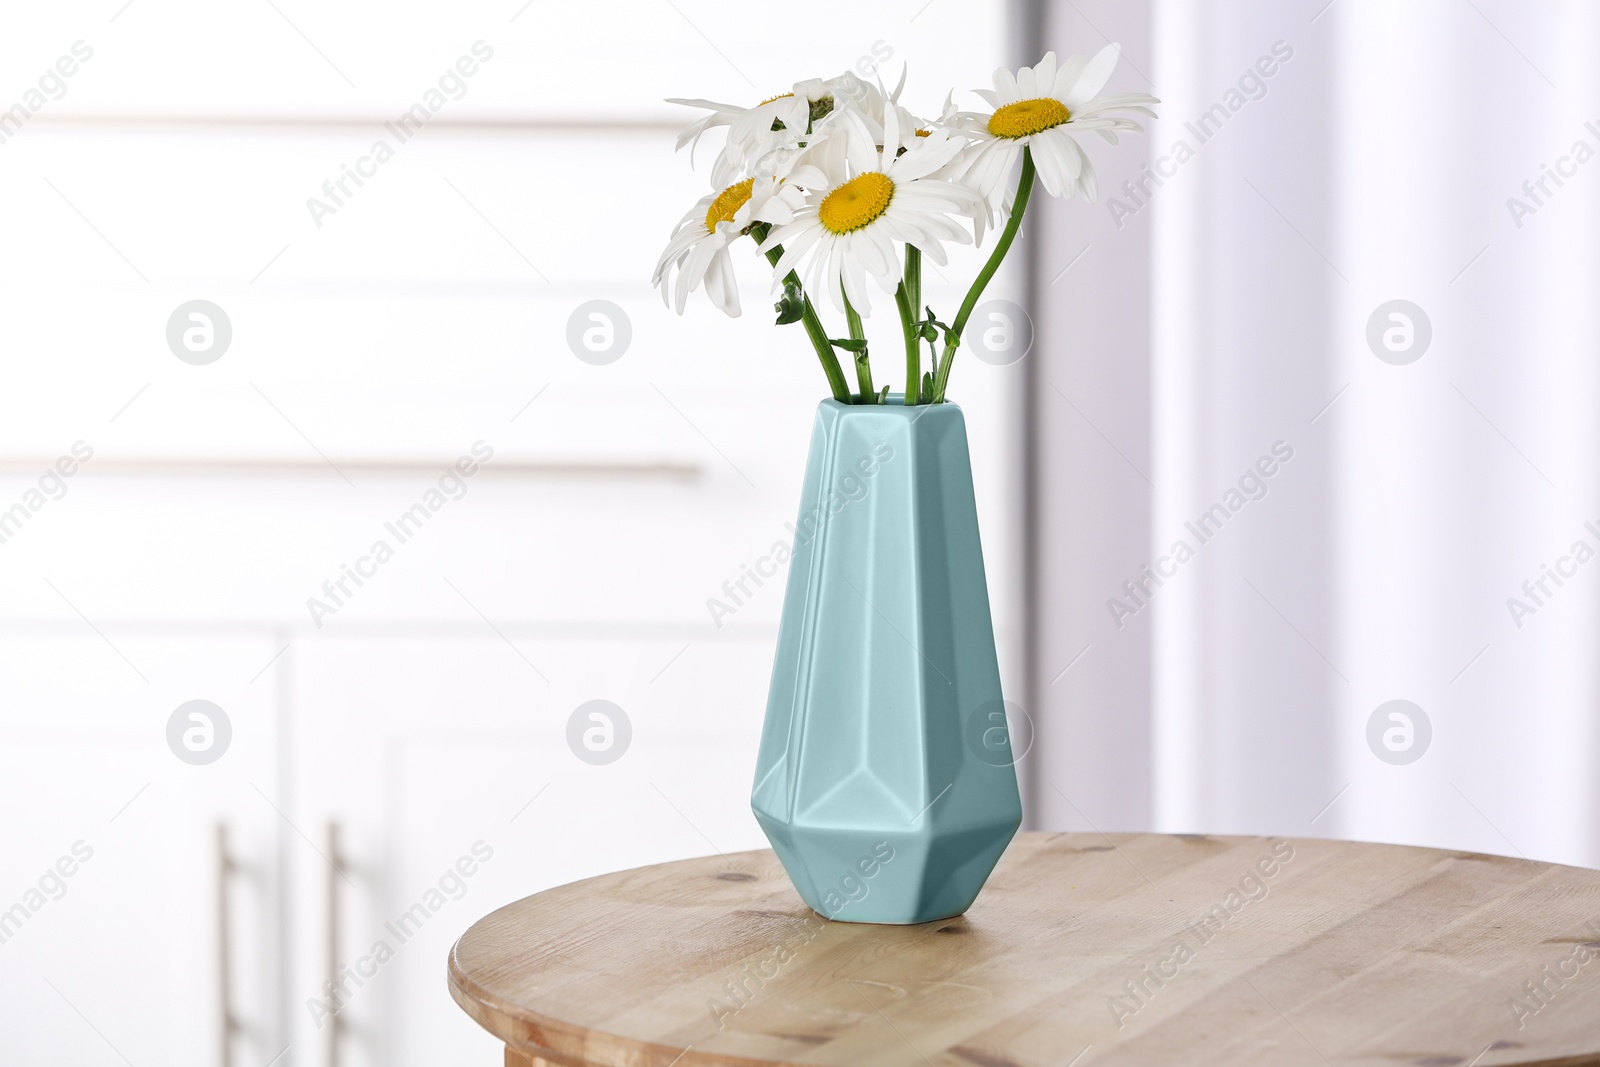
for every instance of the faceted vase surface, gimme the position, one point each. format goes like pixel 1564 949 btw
pixel 885 778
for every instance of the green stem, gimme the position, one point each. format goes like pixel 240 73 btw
pixel 913 275
pixel 1009 234
pixel 824 347
pixel 869 395
pixel 914 280
pixel 819 336
pixel 913 347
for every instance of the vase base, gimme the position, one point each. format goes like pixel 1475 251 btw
pixel 891 922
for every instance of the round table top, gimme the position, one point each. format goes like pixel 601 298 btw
pixel 1083 949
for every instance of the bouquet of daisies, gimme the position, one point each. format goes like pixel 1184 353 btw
pixel 839 186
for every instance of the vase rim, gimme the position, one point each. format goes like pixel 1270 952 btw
pixel 894 404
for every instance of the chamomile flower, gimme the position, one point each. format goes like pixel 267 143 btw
pixel 755 132
pixel 849 93
pixel 698 250
pixel 862 198
pixel 1043 107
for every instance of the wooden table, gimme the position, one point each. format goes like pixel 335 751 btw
pixel 1083 950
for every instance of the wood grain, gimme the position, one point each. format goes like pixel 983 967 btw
pixel 1084 949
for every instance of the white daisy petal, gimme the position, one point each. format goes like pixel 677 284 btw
pixel 1059 144
pixel 721 284
pixel 990 165
pixel 1045 75
pixel 824 277
pixel 874 252
pixel 1027 85
pixel 1094 76
pixel 891 133
pixel 895 228
pixel 774 211
pixel 923 159
pixel 793 253
pixel 695 101
pixel 1086 179
pixel 753 132
pixel 712 280
pixel 807 176
pixel 1005 85
pixel 861 150
pixel 1056 162
pixel 692 274
pixel 854 274
pixel 935 252
pixel 677 247
pixel 1067 76
pixel 1139 101
pixel 811 232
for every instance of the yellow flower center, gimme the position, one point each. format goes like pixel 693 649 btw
pixel 1027 117
pixel 857 202
pixel 770 99
pixel 728 203
pixel 924 133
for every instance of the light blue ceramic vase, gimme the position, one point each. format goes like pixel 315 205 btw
pixel 885 779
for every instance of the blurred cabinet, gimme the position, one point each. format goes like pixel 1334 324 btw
pixel 377 795
pixel 445 767
pixel 116 909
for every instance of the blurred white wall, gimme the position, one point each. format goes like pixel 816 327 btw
pixel 425 719
pixel 1363 153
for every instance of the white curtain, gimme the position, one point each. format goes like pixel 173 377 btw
pixel 1354 326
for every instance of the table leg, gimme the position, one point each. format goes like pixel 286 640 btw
pixel 522 1059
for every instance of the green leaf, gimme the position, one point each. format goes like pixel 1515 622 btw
pixel 930 333
pixel 791 306
pixel 927 384
pixel 849 344
pixel 883 397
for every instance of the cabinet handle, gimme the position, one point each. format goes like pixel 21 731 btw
pixel 228 1023
pixel 335 866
